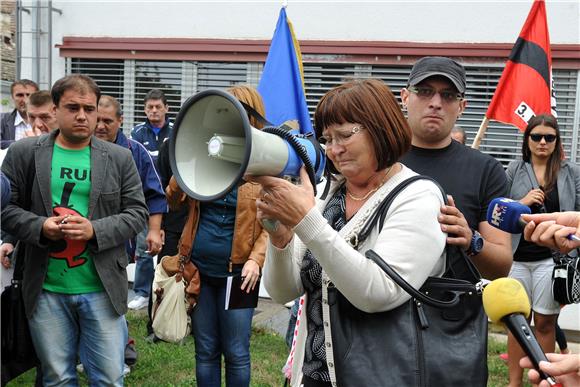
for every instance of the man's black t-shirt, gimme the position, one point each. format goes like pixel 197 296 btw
pixel 471 177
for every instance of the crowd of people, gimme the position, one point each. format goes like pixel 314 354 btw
pixel 80 200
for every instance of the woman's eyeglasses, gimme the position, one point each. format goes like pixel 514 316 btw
pixel 339 138
pixel 538 137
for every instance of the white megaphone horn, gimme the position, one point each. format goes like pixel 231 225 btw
pixel 212 146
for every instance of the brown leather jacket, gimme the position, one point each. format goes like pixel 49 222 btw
pixel 249 238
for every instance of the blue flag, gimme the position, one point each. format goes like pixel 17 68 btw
pixel 281 85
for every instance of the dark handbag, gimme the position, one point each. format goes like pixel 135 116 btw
pixel 566 280
pixel 437 338
pixel 18 354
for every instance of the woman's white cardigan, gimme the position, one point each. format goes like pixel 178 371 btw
pixel 411 241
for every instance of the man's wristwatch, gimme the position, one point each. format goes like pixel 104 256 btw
pixel 476 244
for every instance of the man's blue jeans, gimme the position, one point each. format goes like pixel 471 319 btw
pixel 144 270
pixel 65 326
pixel 218 331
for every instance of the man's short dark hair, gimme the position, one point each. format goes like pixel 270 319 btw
pixel 155 94
pixel 107 100
pixel 79 82
pixel 22 82
pixel 40 98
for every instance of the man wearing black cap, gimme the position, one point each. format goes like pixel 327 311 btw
pixel 435 99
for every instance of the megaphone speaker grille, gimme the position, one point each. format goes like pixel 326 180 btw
pixel 206 114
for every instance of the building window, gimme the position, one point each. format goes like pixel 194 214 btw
pixel 130 80
pixel 109 74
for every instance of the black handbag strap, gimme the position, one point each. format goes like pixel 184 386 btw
pixel 372 255
pixel 379 217
pixel 252 112
pixel 18 263
pixel 381 213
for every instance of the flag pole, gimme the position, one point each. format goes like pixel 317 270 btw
pixel 480 133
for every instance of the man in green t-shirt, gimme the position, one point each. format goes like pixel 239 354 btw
pixel 75 201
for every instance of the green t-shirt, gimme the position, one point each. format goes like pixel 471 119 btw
pixel 71 269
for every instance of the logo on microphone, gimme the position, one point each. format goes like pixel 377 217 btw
pixel 497 214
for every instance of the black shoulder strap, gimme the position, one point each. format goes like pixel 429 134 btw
pixel 407 287
pixel 381 213
pixel 252 112
pixel 458 265
pixel 18 262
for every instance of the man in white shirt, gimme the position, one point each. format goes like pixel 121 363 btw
pixel 41 116
pixel 14 125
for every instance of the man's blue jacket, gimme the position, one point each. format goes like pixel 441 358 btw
pixel 144 134
pixel 152 189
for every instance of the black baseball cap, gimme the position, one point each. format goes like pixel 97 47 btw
pixel 438 65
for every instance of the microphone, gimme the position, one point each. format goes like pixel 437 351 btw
pixel 506 214
pixel 505 300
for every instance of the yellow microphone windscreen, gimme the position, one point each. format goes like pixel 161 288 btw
pixel 505 296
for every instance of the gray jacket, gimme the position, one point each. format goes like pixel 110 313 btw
pixel 117 211
pixel 520 183
pixel 7 130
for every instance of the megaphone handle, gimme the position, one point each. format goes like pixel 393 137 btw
pixel 271 225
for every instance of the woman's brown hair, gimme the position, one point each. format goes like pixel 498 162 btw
pixel 371 104
pixel 555 160
pixel 249 95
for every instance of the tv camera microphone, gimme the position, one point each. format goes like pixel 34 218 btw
pixel 505 300
pixel 506 214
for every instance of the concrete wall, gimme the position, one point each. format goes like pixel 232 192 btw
pixel 422 21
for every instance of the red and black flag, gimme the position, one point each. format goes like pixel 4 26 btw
pixel 525 87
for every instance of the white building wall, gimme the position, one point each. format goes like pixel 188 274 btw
pixel 388 20
pixel 424 21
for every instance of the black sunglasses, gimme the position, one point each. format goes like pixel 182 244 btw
pixel 547 137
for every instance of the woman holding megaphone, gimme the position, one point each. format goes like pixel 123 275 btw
pixel 313 249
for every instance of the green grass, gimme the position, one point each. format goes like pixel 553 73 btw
pixel 165 364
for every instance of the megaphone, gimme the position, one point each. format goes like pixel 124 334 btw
pixel 212 146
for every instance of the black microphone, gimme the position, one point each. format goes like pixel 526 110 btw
pixel 506 301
